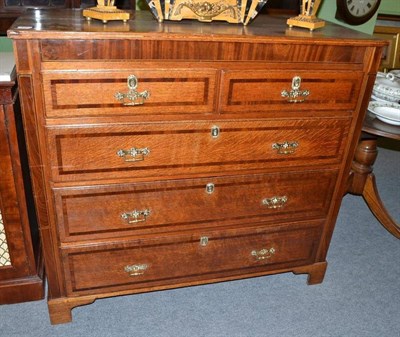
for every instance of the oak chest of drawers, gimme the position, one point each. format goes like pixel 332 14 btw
pixel 176 154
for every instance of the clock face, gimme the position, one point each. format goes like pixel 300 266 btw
pixel 357 12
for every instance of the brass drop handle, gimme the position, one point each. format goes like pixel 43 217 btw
pixel 275 202
pixel 132 97
pixel 285 147
pixel 263 254
pixel 136 269
pixel 295 95
pixel 133 154
pixel 136 216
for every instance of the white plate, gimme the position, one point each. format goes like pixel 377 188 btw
pixel 379 100
pixel 373 104
pixel 386 112
pixel 388 120
pixel 385 97
pixel 388 85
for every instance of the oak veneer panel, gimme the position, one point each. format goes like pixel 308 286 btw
pixel 180 90
pixel 96 212
pixel 56 50
pixel 91 153
pixel 21 56
pixel 91 271
pixel 261 90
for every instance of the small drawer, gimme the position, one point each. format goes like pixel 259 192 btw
pixel 191 258
pixel 162 207
pixel 137 92
pixel 172 149
pixel 289 91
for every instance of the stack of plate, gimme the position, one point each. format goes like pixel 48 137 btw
pixel 385 104
pixel 232 11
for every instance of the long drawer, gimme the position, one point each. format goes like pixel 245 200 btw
pixel 190 258
pixel 168 149
pixel 161 207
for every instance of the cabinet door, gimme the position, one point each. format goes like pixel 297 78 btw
pixel 21 262
pixel 13 260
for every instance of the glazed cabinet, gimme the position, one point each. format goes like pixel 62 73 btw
pixel 176 154
pixel 21 261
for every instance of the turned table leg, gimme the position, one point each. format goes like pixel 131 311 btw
pixel 362 182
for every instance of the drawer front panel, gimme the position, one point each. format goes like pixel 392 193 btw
pixel 169 149
pixel 146 208
pixel 193 257
pixel 172 91
pixel 257 91
pixel 320 54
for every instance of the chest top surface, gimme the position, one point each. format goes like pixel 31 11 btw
pixel 70 24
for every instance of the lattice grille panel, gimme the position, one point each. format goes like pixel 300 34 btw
pixel 4 253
